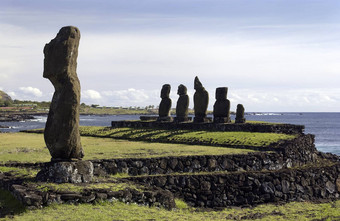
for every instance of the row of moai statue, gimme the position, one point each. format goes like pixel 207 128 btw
pixel 221 110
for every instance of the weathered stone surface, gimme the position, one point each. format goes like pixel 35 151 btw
pixel 165 105
pixel 330 187
pixel 240 114
pixel 201 101
pixel 182 104
pixel 32 197
pixel 249 188
pixel 221 106
pixel 287 157
pixel 246 127
pixel 61 131
pixel 67 172
pixel 148 118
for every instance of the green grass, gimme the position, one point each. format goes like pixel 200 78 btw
pixel 19 171
pixel 113 185
pixel 26 147
pixel 188 136
pixel 23 148
pixel 121 211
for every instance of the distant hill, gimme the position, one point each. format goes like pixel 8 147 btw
pixel 5 99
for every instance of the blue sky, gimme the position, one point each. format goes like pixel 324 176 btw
pixel 272 55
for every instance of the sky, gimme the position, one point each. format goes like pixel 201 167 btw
pixel 273 55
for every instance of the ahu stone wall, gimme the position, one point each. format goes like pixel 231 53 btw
pixel 251 188
pixel 288 154
pixel 245 127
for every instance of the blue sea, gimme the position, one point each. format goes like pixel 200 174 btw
pixel 325 126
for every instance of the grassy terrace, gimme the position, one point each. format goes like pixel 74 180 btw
pixel 27 147
pixel 121 211
pixel 188 136
pixel 129 143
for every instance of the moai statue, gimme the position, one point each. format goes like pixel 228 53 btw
pixel 61 133
pixel 240 114
pixel 182 104
pixel 221 106
pixel 201 101
pixel 165 105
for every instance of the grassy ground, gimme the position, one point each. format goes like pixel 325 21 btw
pixel 188 136
pixel 121 211
pixel 24 147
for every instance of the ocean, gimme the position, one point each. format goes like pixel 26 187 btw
pixel 325 126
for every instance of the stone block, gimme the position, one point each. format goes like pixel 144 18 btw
pixel 66 172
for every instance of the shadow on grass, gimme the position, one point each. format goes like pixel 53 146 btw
pixel 144 134
pixel 150 135
pixel 9 205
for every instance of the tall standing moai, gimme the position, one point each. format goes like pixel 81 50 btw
pixel 201 101
pixel 165 105
pixel 61 133
pixel 222 106
pixel 240 114
pixel 182 104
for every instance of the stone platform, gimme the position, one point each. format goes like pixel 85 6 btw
pixel 246 127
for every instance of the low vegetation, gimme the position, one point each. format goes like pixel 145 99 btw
pixel 22 172
pixel 98 144
pixel 31 148
pixel 188 136
pixel 121 211
pixel 113 185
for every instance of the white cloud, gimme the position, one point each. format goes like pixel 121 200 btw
pixel 130 97
pixel 31 91
pixel 91 94
pixel 12 94
pixel 280 100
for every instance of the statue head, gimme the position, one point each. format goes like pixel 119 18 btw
pixel 197 84
pixel 165 91
pixel 240 108
pixel 182 90
pixel 221 93
pixel 65 43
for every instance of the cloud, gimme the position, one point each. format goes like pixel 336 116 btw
pixel 130 97
pixel 12 94
pixel 91 94
pixel 31 91
pixel 264 56
pixel 300 100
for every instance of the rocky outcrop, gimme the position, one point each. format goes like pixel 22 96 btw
pixel 5 99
